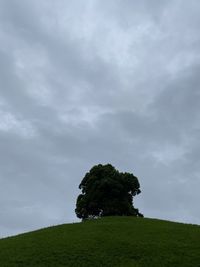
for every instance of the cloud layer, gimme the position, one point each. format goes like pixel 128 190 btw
pixel 88 82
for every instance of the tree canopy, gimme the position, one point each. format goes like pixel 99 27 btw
pixel 106 192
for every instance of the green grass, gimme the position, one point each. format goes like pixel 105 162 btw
pixel 112 241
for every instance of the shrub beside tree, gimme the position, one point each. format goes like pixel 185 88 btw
pixel 107 192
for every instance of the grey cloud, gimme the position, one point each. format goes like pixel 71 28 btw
pixel 119 85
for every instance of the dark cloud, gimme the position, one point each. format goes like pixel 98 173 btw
pixel 84 83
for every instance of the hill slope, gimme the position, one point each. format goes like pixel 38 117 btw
pixel 112 241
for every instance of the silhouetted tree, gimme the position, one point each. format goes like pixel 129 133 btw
pixel 107 192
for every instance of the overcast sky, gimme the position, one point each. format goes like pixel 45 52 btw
pixel 84 82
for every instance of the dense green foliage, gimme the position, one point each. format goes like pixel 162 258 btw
pixel 107 192
pixel 111 241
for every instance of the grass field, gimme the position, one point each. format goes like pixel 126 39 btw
pixel 112 241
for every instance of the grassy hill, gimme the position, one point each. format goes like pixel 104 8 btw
pixel 112 241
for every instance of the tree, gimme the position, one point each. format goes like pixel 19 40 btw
pixel 107 192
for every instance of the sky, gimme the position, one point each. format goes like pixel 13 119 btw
pixel 94 81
